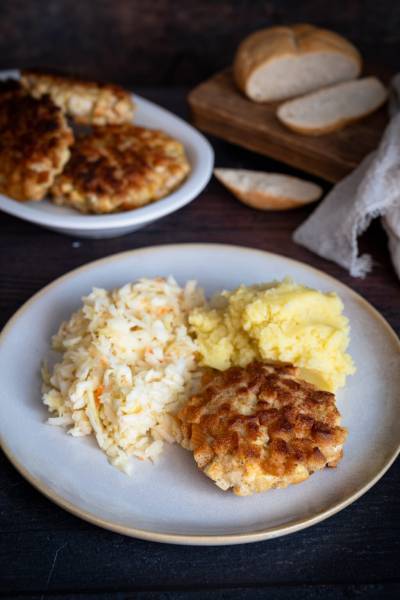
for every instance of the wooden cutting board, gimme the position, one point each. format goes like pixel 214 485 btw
pixel 220 109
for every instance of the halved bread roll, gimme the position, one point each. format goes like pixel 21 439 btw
pixel 334 107
pixel 281 62
pixel 268 191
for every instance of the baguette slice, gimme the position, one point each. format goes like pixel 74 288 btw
pixel 268 191
pixel 281 62
pixel 333 107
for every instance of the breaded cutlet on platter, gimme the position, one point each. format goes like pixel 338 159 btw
pixel 34 143
pixel 86 102
pixel 261 427
pixel 120 167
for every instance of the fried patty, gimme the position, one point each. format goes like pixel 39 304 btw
pixel 11 87
pixel 34 143
pixel 261 427
pixel 87 102
pixel 120 167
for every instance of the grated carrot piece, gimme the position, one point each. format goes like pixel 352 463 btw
pixel 97 394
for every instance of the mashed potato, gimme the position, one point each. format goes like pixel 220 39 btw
pixel 279 321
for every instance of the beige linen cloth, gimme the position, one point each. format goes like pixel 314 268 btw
pixel 371 190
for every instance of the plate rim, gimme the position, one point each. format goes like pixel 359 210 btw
pixel 179 538
pixel 135 217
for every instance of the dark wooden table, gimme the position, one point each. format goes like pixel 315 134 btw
pixel 47 553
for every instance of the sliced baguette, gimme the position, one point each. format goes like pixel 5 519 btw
pixel 281 62
pixel 334 107
pixel 268 191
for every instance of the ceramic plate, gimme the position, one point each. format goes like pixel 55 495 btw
pixel 172 501
pixel 66 220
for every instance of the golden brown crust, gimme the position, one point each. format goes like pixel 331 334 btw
pixel 274 42
pixel 330 127
pixel 327 129
pixel 312 39
pixel 261 427
pixel 259 196
pixel 34 143
pixel 87 102
pixel 11 87
pixel 120 167
pixel 263 201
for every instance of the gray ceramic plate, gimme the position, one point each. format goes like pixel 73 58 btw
pixel 172 501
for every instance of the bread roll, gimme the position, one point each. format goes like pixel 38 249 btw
pixel 334 107
pixel 268 191
pixel 282 62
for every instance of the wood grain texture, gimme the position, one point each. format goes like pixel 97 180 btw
pixel 220 109
pixel 167 41
pixel 47 553
pixel 276 592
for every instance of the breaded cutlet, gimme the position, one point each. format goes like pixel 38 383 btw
pixel 120 167
pixel 11 87
pixel 34 143
pixel 261 427
pixel 87 102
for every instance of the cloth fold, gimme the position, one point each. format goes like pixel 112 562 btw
pixel 370 191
